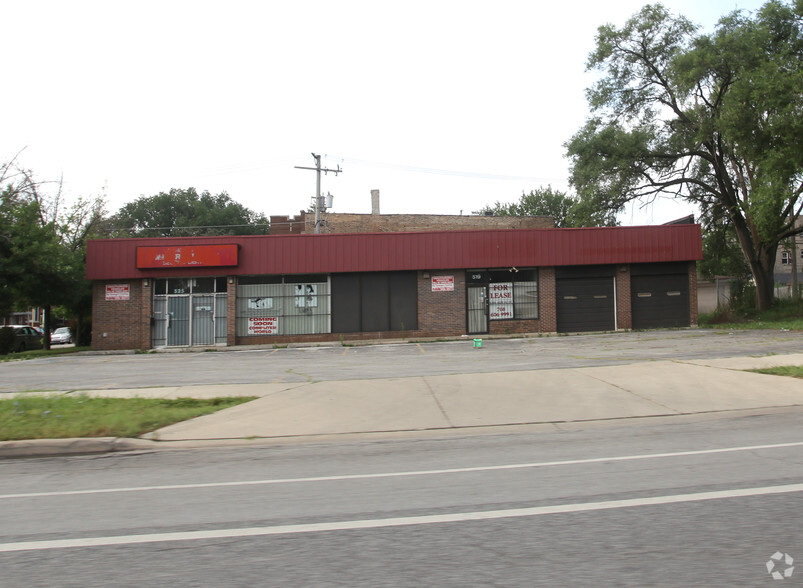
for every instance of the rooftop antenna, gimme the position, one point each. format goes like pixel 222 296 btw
pixel 318 203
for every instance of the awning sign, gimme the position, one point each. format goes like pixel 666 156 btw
pixel 500 301
pixel 118 292
pixel 187 256
pixel 443 283
pixel 265 325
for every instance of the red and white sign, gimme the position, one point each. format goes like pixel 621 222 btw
pixel 187 256
pixel 500 301
pixel 118 292
pixel 443 283
pixel 265 325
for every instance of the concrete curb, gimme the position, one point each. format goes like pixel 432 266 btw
pixel 341 344
pixel 76 446
pixel 453 404
pixel 38 448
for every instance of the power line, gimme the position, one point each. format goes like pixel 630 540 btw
pixel 319 204
pixel 244 167
pixel 445 172
pixel 132 229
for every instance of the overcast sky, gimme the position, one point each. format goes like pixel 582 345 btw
pixel 442 106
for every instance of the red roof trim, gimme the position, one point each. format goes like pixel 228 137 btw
pixel 114 259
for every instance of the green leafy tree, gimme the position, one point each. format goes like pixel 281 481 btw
pixel 722 255
pixel 566 210
pixel 181 213
pixel 84 220
pixel 713 119
pixel 42 251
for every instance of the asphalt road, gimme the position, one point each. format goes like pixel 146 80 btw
pixel 697 503
pixel 246 365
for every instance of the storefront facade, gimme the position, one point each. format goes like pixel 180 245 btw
pixel 240 290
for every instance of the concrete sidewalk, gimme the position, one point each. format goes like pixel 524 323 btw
pixel 462 402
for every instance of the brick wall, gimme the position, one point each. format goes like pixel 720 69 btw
pixel 547 303
pixel 442 313
pixel 693 294
pixel 391 223
pixel 122 324
pixel 624 311
pixel 287 225
pixel 126 323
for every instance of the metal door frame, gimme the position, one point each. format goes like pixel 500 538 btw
pixel 165 326
pixel 469 310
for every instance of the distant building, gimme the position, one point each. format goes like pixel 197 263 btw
pixel 790 254
pixel 34 317
pixel 337 222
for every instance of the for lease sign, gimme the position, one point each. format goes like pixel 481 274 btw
pixel 265 325
pixel 500 301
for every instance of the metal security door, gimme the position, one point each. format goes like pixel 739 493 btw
pixel 203 320
pixel 178 320
pixel 159 322
pixel 585 304
pixel 660 301
pixel 477 310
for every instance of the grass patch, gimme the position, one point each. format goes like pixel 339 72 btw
pixel 794 371
pixel 35 353
pixel 773 325
pixel 784 314
pixel 59 417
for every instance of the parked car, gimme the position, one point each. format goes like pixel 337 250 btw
pixel 60 336
pixel 26 338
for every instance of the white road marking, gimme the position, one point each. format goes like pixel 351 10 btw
pixel 517 466
pixel 394 522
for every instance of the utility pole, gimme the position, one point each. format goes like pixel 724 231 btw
pixel 795 285
pixel 318 204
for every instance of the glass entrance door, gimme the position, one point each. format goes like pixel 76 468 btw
pixel 203 319
pixel 477 309
pixel 178 320
pixel 189 312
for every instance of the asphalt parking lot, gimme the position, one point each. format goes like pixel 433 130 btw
pixel 253 365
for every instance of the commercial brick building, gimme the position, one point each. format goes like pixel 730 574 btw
pixel 240 290
pixel 304 223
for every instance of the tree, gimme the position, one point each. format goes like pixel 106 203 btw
pixel 722 255
pixel 83 221
pixel 42 250
pixel 713 119
pixel 186 213
pixel 566 210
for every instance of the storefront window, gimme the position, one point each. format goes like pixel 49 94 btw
pixel 283 305
pixel 525 300
pixel 205 285
pixel 178 286
pixel 512 293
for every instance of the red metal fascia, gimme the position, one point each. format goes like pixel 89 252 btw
pixel 364 252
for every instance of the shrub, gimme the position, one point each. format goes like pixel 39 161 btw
pixel 7 338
